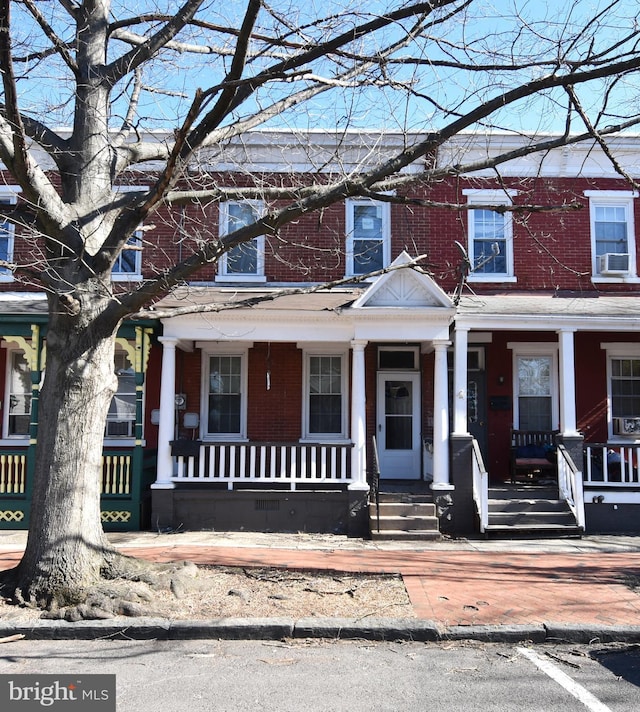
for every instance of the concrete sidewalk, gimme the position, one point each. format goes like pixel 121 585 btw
pixel 574 589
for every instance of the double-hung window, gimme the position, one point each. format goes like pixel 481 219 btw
pixel 613 249
pixel 490 236
pixel 368 224
pixel 121 418
pixel 623 389
pixel 325 388
pixel 128 265
pixel 8 198
pixel 225 392
pixel 18 395
pixel 244 262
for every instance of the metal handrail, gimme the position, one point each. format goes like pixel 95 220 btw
pixel 374 476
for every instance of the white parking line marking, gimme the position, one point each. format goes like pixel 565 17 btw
pixel 570 685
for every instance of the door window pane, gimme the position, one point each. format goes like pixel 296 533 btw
pixel 534 392
pixel 399 415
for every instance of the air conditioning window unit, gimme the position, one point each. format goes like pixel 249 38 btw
pixel 613 263
pixel 626 426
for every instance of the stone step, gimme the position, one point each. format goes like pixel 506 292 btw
pixel 404 497
pixel 404 535
pixel 403 523
pixel 404 509
pixel 528 505
pixel 532 519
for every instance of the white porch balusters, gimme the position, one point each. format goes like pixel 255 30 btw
pixel 358 418
pixel 440 418
pixel 460 424
pixel 166 425
pixel 568 420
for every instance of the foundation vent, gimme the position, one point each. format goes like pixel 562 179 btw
pixel 267 505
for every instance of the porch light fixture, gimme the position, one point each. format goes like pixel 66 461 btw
pixel 155 416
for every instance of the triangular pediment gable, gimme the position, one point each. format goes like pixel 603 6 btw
pixel 404 287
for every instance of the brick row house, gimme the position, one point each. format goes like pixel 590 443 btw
pixel 498 382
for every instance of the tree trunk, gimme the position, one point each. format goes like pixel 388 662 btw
pixel 66 547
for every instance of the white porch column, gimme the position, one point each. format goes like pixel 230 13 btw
pixel 568 421
pixel 358 418
pixel 440 418
pixel 460 346
pixel 166 425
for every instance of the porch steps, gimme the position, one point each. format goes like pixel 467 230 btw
pixel 529 511
pixel 404 517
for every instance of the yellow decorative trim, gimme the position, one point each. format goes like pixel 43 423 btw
pixel 129 349
pixel 11 515
pixel 115 516
pixel 143 348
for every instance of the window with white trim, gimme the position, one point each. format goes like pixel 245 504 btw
pixel 245 261
pixel 368 224
pixel 128 265
pixel 17 411
pixel 613 251
pixel 121 418
pixel 225 395
pixel 8 198
pixel 490 236
pixel 325 414
pixel 535 386
pixel 623 389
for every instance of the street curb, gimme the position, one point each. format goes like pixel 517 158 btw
pixel 380 629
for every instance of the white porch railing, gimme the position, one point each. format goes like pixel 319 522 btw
pixel 480 486
pixel 617 466
pixel 291 464
pixel 570 485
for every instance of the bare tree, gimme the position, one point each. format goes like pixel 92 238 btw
pixel 210 73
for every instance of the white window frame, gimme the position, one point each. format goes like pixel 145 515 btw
pixel 218 349
pixel 135 276
pixel 223 275
pixel 491 197
pixel 522 350
pixel 385 208
pixel 619 199
pixel 337 351
pixel 114 440
pixel 136 241
pixel 9 196
pixel 613 351
pixel 10 350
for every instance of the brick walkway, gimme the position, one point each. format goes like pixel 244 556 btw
pixel 458 587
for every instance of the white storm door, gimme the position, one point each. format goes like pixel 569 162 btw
pixel 398 427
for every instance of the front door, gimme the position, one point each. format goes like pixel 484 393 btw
pixel 398 427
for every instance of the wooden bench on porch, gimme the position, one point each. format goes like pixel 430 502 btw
pixel 533 454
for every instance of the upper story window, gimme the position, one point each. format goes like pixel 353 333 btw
pixel 8 197
pixel 490 236
pixel 613 250
pixel 244 262
pixel 129 262
pixel 121 418
pixel 368 235
pixel 325 415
